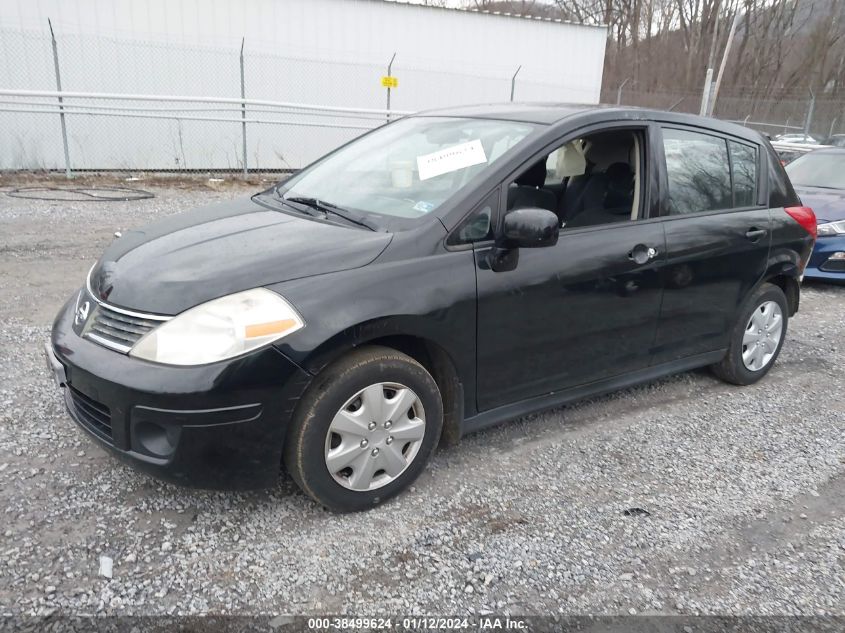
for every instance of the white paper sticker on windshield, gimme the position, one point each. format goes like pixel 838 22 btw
pixel 451 159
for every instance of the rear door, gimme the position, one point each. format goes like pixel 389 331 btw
pixel 717 237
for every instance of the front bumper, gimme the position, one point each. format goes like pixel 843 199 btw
pixel 213 426
pixel 821 266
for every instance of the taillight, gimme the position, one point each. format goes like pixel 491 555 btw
pixel 805 217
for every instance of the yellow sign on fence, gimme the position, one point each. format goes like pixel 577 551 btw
pixel 389 81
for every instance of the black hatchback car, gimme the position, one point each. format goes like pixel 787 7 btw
pixel 435 276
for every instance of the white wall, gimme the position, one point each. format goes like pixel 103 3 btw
pixel 331 52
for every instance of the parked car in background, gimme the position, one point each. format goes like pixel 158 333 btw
pixel 788 151
pixel 819 180
pixel 837 140
pixel 438 275
pixel 806 139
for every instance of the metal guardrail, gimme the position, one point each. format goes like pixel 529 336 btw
pixel 778 126
pixel 34 102
pixel 195 99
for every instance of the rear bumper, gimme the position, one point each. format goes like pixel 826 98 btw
pixel 820 266
pixel 214 426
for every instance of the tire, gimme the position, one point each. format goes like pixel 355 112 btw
pixel 733 368
pixel 345 415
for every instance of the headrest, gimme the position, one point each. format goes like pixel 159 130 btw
pixel 619 173
pixel 571 160
pixel 603 153
pixel 534 176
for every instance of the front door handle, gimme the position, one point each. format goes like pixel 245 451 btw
pixel 755 234
pixel 642 254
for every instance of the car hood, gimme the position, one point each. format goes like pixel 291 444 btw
pixel 827 204
pixel 186 259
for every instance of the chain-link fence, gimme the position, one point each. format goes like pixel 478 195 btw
pixel 237 109
pixel 788 112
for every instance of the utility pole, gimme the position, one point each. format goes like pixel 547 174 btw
pixel 724 62
pixel 705 93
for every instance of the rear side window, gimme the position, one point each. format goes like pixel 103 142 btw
pixel 698 170
pixel 744 172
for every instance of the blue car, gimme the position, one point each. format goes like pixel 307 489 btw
pixel 819 179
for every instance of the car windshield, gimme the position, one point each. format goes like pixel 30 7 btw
pixel 818 169
pixel 406 169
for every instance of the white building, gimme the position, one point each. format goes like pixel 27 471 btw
pixel 327 52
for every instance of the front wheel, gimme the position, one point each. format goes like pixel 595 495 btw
pixel 364 429
pixel 757 337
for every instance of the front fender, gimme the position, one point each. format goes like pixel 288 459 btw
pixel 432 297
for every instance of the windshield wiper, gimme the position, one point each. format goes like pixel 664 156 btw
pixel 328 207
pixel 309 211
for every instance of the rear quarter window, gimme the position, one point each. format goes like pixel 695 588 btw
pixel 781 193
pixel 743 174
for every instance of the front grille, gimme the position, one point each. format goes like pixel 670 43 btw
pixel 93 415
pixel 117 329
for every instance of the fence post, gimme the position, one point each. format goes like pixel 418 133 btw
pixel 513 80
pixel 786 125
pixel 243 106
pixel 389 74
pixel 68 175
pixel 808 120
pixel 833 125
pixel 619 91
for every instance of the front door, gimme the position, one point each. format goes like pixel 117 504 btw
pixel 586 308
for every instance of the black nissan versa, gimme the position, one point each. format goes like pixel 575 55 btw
pixel 438 275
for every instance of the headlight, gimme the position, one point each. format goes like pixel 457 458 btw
pixel 220 329
pixel 831 228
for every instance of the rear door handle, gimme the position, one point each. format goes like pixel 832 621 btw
pixel 755 234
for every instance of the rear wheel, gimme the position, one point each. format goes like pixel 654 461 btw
pixel 757 337
pixel 364 430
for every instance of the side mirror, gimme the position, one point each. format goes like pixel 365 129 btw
pixel 531 228
pixel 523 228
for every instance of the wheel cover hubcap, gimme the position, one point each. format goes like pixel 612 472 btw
pixel 375 436
pixel 762 336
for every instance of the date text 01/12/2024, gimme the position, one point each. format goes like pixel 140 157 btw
pixel 416 623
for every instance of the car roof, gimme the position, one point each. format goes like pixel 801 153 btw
pixel 552 113
pixel 545 113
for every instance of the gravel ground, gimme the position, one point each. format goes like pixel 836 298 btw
pixel 744 488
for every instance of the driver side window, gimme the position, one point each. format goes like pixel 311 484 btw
pixel 587 181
